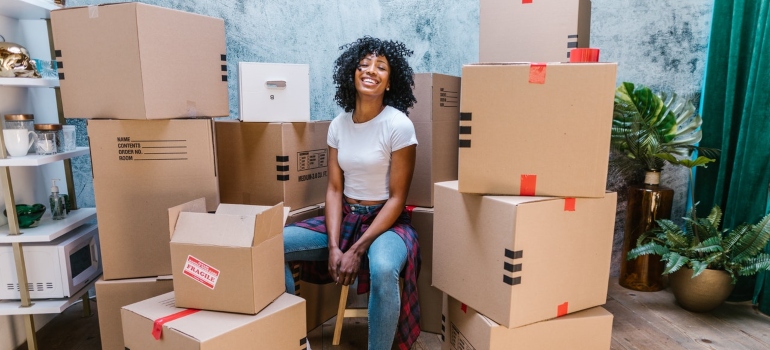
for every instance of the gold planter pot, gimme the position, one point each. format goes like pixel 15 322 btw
pixel 703 293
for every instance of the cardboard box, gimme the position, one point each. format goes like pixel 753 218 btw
pixel 435 117
pixel 267 163
pixel 586 330
pixel 274 92
pixel 521 260
pixel 281 325
pixel 111 296
pixel 533 31
pixel 322 299
pixel 536 130
pixel 430 298
pixel 141 168
pixel 231 260
pixel 138 61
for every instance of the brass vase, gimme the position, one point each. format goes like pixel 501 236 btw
pixel 703 293
pixel 646 204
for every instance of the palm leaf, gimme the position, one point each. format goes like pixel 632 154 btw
pixel 710 245
pixel 758 263
pixel 753 241
pixel 698 267
pixel 674 262
pixel 647 249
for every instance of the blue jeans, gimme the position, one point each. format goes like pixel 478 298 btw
pixel 387 257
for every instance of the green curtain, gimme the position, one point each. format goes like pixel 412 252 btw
pixel 736 115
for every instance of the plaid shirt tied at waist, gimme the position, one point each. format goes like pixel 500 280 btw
pixel 354 225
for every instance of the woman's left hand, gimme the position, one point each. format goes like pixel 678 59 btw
pixel 348 268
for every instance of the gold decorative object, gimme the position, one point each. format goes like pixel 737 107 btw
pixel 15 61
pixel 703 293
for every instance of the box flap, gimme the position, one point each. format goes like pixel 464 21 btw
pixel 204 325
pixel 194 206
pixel 270 223
pixel 214 230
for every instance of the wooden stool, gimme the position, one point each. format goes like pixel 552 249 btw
pixel 343 312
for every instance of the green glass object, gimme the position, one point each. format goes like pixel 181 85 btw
pixel 28 215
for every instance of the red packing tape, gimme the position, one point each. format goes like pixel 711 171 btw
pixel 569 204
pixel 157 326
pixel 526 1
pixel 409 210
pixel 583 54
pixel 537 73
pixel 464 307
pixel 527 185
pixel 562 309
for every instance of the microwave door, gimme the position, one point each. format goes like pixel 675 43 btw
pixel 82 261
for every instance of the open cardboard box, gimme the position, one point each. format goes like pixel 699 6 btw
pixel 231 260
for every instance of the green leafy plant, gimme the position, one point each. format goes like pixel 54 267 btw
pixel 701 245
pixel 650 130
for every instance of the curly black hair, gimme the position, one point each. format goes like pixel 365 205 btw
pixel 399 96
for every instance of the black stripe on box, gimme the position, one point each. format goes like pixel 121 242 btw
pixel 224 78
pixel 511 267
pixel 465 116
pixel 61 76
pixel 59 64
pixel 57 53
pixel 572 36
pixel 283 177
pixel 302 341
pixel 572 44
pixel 282 167
pixel 465 130
pixel 512 281
pixel 224 68
pixel 281 158
pixel 443 318
pixel 465 143
pixel 223 57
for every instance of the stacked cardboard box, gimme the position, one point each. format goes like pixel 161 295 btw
pixel 522 241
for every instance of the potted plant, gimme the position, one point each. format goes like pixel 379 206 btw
pixel 703 262
pixel 648 131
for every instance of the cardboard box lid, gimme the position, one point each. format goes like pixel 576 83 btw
pixel 204 325
pixel 231 226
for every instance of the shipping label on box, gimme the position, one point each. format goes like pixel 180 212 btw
pixel 140 169
pixel 536 129
pixel 155 324
pixel 267 163
pixel 274 92
pixel 520 260
pixel 231 260
pixel 468 329
pixel 435 116
pixel 172 64
pixel 532 31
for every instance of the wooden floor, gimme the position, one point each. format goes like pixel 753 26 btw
pixel 642 321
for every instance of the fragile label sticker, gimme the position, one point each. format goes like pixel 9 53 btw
pixel 198 270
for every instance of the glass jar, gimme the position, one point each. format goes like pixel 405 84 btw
pixel 20 121
pixel 49 139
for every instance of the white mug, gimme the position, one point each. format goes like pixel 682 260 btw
pixel 19 141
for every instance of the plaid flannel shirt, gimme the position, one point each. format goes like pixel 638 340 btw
pixel 353 227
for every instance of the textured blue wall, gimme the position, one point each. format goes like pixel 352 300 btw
pixel 658 43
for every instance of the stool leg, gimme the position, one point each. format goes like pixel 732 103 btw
pixel 340 315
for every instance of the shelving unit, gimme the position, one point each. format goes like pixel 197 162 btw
pixel 26 22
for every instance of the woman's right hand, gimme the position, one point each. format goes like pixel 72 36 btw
pixel 335 259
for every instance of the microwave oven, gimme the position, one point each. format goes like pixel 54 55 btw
pixel 56 269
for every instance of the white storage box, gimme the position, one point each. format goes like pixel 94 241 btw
pixel 274 92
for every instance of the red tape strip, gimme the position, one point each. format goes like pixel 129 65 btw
pixel 569 204
pixel 409 210
pixel 464 307
pixel 157 326
pixel 537 73
pixel 527 185
pixel 584 55
pixel 562 309
pixel 526 1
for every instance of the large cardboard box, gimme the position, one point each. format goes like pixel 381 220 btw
pixel 274 92
pixel 231 260
pixel 532 31
pixel 138 61
pixel 267 163
pixel 539 130
pixel 435 117
pixel 430 298
pixel 281 325
pixel 141 168
pixel 520 260
pixel 586 330
pixel 113 295
pixel 322 299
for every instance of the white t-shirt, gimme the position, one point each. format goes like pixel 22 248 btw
pixel 364 150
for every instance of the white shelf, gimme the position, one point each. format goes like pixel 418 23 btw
pixel 29 82
pixel 49 229
pixel 36 160
pixel 44 306
pixel 27 9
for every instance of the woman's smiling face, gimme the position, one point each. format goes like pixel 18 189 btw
pixel 372 75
